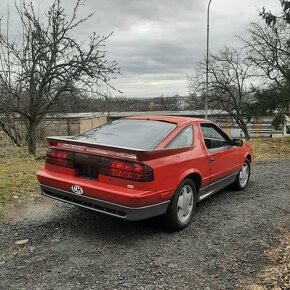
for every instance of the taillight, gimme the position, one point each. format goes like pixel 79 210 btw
pixel 127 170
pixel 60 157
pixel 103 165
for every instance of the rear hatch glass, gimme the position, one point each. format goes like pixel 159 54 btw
pixel 130 133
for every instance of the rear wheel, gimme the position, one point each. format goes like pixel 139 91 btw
pixel 181 208
pixel 243 177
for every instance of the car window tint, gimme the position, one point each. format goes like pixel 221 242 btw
pixel 210 132
pixel 183 139
pixel 130 133
pixel 213 136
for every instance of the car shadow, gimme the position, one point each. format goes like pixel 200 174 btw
pixel 62 221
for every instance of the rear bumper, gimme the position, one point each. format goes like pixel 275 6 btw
pixel 117 210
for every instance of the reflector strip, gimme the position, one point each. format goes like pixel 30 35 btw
pixel 98 151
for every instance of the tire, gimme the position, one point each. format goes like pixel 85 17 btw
pixel 243 177
pixel 181 208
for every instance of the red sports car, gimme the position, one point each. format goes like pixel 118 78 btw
pixel 140 167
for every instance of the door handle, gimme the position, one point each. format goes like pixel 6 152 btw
pixel 212 160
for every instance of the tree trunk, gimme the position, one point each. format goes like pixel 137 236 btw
pixel 247 135
pixel 244 128
pixel 31 138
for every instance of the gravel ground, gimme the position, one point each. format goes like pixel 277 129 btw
pixel 223 248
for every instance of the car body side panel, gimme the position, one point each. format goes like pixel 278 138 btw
pixel 224 162
pixel 170 171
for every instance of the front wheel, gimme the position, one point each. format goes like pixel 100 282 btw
pixel 243 177
pixel 181 208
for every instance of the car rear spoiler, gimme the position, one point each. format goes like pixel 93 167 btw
pixel 67 143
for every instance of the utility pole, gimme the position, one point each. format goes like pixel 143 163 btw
pixel 207 55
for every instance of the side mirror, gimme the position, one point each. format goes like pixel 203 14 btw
pixel 237 142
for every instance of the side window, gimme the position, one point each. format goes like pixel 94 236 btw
pixel 183 139
pixel 213 136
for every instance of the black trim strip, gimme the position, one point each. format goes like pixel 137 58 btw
pixel 216 186
pixel 116 210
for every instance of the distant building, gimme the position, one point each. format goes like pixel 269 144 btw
pixel 72 124
pixel 62 125
pixel 284 127
pixel 258 127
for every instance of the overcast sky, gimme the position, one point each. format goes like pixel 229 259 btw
pixel 157 43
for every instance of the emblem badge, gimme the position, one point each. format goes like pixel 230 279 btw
pixel 77 189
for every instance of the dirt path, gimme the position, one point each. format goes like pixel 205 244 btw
pixel 223 248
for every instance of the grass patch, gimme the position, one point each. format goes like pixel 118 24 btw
pixel 17 173
pixel 269 149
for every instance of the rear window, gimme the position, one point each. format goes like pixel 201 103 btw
pixel 136 134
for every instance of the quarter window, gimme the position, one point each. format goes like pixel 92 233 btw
pixel 183 139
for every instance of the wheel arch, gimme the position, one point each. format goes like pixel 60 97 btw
pixel 249 157
pixel 195 177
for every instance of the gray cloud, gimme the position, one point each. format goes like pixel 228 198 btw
pixel 122 14
pixel 156 43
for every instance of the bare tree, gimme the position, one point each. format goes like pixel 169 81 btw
pixel 9 124
pixel 48 63
pixel 269 50
pixel 229 83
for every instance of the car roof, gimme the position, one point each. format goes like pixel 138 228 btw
pixel 169 119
